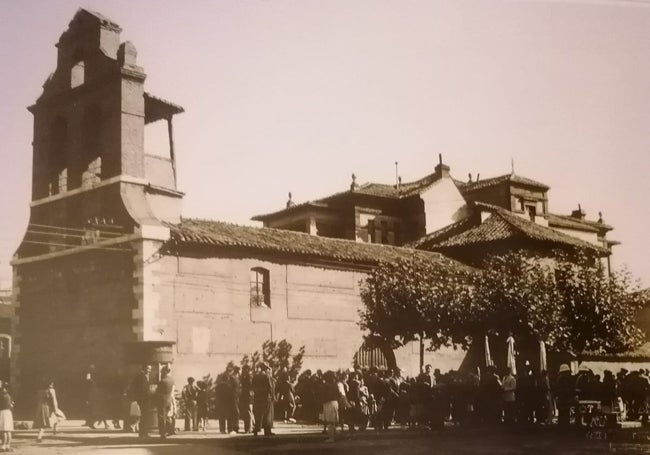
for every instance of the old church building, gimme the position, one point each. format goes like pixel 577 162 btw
pixel 107 265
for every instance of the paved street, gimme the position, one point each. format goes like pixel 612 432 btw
pixel 298 439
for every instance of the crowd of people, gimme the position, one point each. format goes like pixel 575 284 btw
pixel 360 399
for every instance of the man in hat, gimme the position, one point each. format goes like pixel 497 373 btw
pixel 165 404
pixel 140 393
pixel 263 398
pixel 189 395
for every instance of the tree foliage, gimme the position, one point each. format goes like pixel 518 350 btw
pixel 598 310
pixel 277 355
pixel 569 302
pixel 410 298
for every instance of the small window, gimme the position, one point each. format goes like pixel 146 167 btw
pixel 260 288
pixel 532 212
pixel 371 231
pixel 5 346
pixel 384 233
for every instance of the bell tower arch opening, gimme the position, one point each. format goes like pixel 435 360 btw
pixel 78 70
pixel 92 140
pixel 57 162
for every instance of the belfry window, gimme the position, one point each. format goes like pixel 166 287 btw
pixel 57 159
pixel 92 140
pixel 260 288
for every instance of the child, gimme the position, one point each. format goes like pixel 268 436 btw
pixel 6 419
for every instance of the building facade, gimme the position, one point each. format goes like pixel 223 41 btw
pixel 107 264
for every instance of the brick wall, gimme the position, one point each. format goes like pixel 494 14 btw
pixel 74 311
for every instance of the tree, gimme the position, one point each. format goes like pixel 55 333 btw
pixel 567 301
pixel 411 299
pixel 598 310
pixel 277 354
pixel 514 294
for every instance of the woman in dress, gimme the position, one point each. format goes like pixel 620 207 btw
pixel 330 404
pixel 47 410
pixel 6 418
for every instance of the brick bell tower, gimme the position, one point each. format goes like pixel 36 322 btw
pixel 99 209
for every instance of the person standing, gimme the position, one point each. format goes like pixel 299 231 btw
pixel 330 405
pixel 430 378
pixel 234 387
pixel 263 400
pixel 47 409
pixel 165 403
pixel 245 399
pixel 286 397
pixel 6 418
pixel 141 394
pixel 509 403
pixel 202 405
pixel 189 396
pixel 565 393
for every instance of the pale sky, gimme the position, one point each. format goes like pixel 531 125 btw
pixel 297 95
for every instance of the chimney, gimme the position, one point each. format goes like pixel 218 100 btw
pixel 578 214
pixel 442 170
pixel 469 177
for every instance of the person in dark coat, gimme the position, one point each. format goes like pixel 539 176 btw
pixel 245 398
pixel 565 393
pixel 234 387
pixel 141 394
pixel 202 405
pixel 263 398
pixel 286 397
pixel 165 403
pixel 222 401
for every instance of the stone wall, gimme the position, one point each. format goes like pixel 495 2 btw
pixel 208 312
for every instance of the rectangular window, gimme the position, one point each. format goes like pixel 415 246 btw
pixel 384 233
pixel 371 231
pixel 260 288
pixel 532 212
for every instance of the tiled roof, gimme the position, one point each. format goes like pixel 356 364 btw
pixel 502 225
pixel 278 241
pixel 435 237
pixel 471 186
pixel 370 189
pixel 293 208
pixel 571 222
pixel 156 108
pixel 405 189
